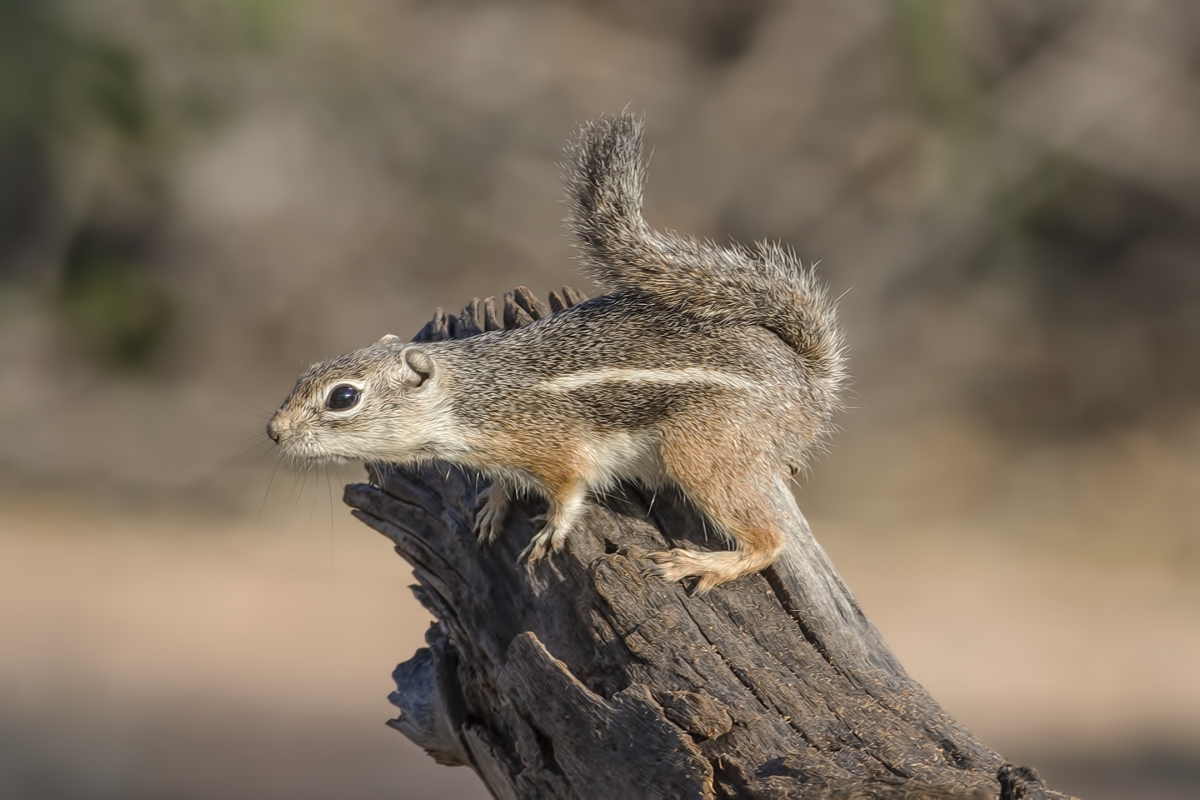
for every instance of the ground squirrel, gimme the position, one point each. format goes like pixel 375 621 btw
pixel 712 368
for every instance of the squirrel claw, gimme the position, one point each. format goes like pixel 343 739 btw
pixel 544 542
pixel 491 507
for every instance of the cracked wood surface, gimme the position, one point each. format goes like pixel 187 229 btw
pixel 585 677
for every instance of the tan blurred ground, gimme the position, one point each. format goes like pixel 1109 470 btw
pixel 148 657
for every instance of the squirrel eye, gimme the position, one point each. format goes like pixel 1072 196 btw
pixel 341 397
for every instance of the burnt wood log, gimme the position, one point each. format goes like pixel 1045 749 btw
pixel 583 677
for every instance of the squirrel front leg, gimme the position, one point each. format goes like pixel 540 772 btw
pixel 491 509
pixel 566 504
pixel 565 492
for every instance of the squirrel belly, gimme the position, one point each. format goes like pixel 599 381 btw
pixel 713 369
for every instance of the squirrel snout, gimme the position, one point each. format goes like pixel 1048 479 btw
pixel 276 433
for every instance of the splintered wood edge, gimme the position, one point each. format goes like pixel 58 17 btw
pixel 518 308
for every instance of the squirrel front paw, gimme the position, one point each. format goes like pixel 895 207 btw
pixel 491 508
pixel 550 538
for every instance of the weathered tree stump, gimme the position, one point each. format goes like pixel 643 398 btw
pixel 584 678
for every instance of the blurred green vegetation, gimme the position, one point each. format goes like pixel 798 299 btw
pixel 1073 260
pixel 118 312
pixel 939 73
pixel 58 88
pixel 86 142
pixel 78 161
pixel 260 22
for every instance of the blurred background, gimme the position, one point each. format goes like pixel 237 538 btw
pixel 199 198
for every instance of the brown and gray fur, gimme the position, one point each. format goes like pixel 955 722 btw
pixel 715 369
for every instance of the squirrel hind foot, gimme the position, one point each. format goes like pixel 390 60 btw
pixel 709 568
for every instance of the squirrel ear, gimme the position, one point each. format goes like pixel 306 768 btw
pixel 388 338
pixel 415 366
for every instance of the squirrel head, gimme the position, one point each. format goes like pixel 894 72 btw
pixel 378 403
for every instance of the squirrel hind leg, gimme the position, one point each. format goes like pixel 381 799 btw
pixel 739 508
pixel 566 506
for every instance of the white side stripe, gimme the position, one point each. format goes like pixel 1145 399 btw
pixel 580 380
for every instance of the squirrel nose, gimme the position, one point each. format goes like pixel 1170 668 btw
pixel 274 432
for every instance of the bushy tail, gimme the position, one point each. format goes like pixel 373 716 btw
pixel 765 285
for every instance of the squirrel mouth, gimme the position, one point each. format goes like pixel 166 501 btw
pixel 303 447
